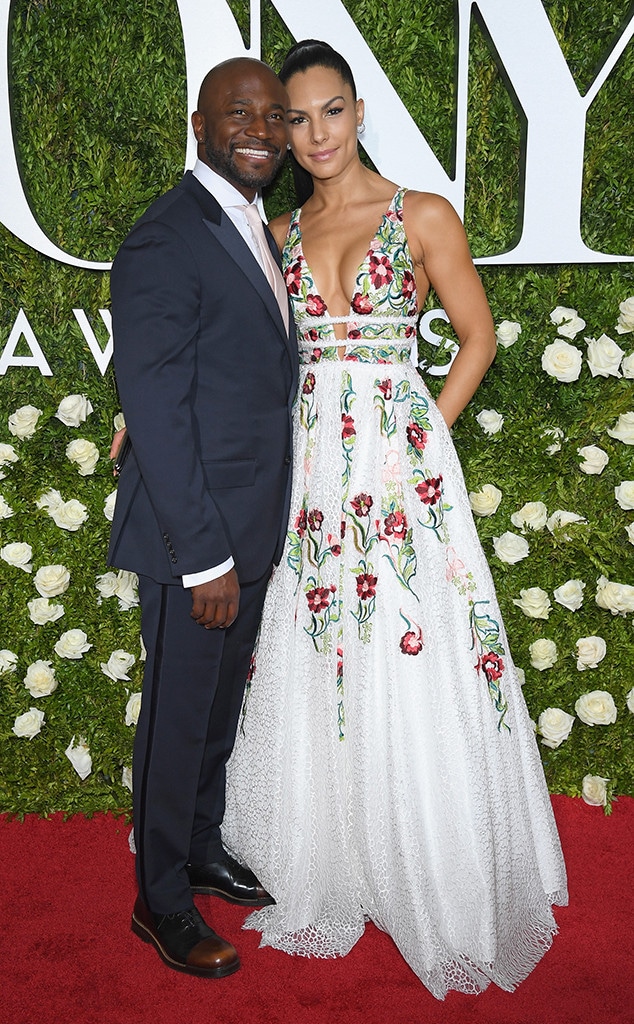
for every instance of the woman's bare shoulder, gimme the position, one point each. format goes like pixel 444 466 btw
pixel 428 206
pixel 279 228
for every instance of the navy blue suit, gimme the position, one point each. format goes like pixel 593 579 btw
pixel 207 375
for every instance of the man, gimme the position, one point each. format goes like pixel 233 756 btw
pixel 206 372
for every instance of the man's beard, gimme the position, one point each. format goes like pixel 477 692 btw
pixel 223 162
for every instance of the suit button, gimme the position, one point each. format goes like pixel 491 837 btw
pixel 287 460
pixel 166 537
pixel 174 559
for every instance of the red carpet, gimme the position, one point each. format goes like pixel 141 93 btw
pixel 67 953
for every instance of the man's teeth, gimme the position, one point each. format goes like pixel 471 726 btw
pixel 254 152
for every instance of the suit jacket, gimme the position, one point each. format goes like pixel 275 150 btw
pixel 206 375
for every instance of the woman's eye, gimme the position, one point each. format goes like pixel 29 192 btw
pixel 334 110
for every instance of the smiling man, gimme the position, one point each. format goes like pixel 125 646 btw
pixel 206 372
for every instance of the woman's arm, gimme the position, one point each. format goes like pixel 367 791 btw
pixel 436 234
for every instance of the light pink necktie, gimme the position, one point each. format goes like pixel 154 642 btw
pixel 270 267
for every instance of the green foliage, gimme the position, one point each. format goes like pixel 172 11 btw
pixel 98 102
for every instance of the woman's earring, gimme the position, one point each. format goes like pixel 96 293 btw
pixel 360 128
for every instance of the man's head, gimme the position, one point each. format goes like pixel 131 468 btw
pixel 240 124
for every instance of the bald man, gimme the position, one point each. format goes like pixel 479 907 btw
pixel 206 371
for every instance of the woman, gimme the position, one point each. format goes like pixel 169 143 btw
pixel 386 766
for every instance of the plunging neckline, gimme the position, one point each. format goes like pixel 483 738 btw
pixel 360 266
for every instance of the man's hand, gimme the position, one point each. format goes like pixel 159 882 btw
pixel 215 604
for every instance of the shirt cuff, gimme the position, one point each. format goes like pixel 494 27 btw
pixel 194 579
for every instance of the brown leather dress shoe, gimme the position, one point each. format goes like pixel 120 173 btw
pixel 229 880
pixel 183 941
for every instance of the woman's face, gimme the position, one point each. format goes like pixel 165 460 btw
pixel 322 121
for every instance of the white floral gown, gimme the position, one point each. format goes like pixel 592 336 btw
pixel 385 765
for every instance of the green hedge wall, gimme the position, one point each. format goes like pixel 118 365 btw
pixel 98 97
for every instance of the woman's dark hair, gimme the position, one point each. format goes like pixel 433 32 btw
pixel 312 53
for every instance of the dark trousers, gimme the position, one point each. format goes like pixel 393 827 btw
pixel 192 693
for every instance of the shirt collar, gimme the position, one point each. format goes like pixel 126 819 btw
pixel 222 190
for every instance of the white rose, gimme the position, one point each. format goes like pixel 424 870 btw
pixel 604 356
pixel 490 421
pixel 18 555
pixel 69 515
pixel 627 366
pixel 126 778
pixel 531 516
pixel 623 429
pixel 543 654
pixel 8 661
pixel 23 421
pixel 84 453
pixel 534 602
pixel 119 422
pixel 560 519
pixel 624 494
pixel 567 321
pixel 118 665
pixel 72 644
pixel 596 708
pixel 107 584
pixel 29 724
pixel 7 454
pixel 5 509
pixel 590 651
pixel 521 675
pixel 558 435
pixel 507 333
pixel 510 547
pixel 629 529
pixel 126 589
pixel 79 757
pixel 42 611
pixel 554 726
pixel 50 500
pixel 626 316
pixel 52 580
pixel 594 790
pixel 40 679
pixel 132 709
pixel 630 700
pixel 108 506
pixel 486 501
pixel 562 361
pixel 594 459
pixel 73 410
pixel 617 598
pixel 570 594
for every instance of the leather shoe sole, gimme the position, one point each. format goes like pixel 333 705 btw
pixel 230 881
pixel 211 957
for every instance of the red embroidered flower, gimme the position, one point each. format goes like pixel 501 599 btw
pixel 396 525
pixel 315 305
pixel 293 277
pixel 309 384
pixel 347 426
pixel 318 598
pixel 430 491
pixel 366 585
pixel 412 641
pixel 381 272
pixel 316 353
pixel 362 503
pixel 343 529
pixel 410 331
pixel 408 287
pixel 492 665
pixel 336 550
pixel 354 334
pixel 339 663
pixel 361 303
pixel 300 522
pixel 386 388
pixel 416 437
pixel 315 519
